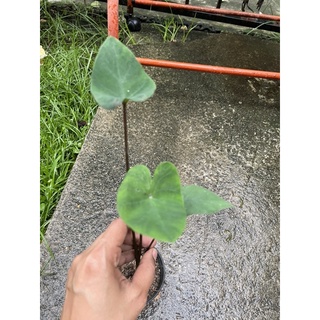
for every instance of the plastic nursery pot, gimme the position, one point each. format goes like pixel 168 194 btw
pixel 129 269
pixel 159 279
pixel 154 300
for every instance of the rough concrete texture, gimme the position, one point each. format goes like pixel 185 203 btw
pixel 268 7
pixel 222 132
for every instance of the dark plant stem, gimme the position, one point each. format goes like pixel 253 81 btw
pixel 137 248
pixel 149 246
pixel 125 127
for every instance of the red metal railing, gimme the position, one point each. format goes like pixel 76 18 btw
pixel 113 30
pixel 208 68
pixel 207 9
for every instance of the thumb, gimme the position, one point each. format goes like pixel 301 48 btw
pixel 144 275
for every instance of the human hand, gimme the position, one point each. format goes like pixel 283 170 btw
pixel 96 289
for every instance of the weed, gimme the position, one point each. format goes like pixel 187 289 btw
pixel 125 35
pixel 71 35
pixel 170 28
pixel 268 34
pixel 51 255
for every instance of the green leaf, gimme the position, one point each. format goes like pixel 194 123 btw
pixel 117 76
pixel 153 206
pixel 198 200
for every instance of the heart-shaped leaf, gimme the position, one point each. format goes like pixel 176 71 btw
pixel 153 206
pixel 198 200
pixel 117 76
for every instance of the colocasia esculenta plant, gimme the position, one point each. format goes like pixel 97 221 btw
pixel 156 206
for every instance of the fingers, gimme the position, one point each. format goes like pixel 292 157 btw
pixel 117 240
pixel 145 240
pixel 126 256
pixel 109 243
pixel 115 233
pixel 144 275
pixel 121 234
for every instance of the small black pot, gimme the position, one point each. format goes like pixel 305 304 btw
pixel 154 300
pixel 160 266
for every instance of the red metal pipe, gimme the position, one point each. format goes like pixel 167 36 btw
pixel 113 30
pixel 207 9
pixel 129 7
pixel 113 20
pixel 208 68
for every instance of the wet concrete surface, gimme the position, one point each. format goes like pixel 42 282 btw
pixel 268 7
pixel 271 7
pixel 222 132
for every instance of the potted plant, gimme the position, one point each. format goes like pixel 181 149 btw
pixel 155 206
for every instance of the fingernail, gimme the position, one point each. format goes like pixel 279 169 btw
pixel 154 254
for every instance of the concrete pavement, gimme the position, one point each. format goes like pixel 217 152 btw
pixel 222 132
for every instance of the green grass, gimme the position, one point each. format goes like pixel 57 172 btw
pixel 71 35
pixel 266 34
pixel 71 39
pixel 173 29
